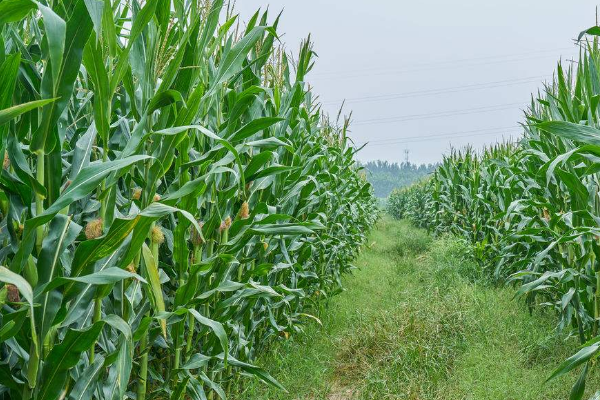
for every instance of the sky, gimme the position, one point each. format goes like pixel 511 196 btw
pixel 423 76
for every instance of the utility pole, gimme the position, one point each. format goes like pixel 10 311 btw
pixel 406 152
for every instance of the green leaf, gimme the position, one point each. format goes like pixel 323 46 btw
pixel 7 276
pixel 579 388
pixel 212 20
pixel 271 142
pixel 61 234
pixel 56 31
pixel 568 130
pixel 164 99
pixel 65 356
pixel 21 166
pixel 152 213
pixel 85 182
pixel 119 324
pixel 217 329
pixel 594 31
pixel 269 171
pixel 96 249
pixel 233 59
pixel 140 22
pixel 151 267
pixel 14 10
pixel 256 371
pixel 119 373
pixel 197 186
pixel 8 379
pixel 84 293
pixel 8 77
pixel 104 277
pixel 82 152
pixel 8 114
pixel 281 229
pixel 86 383
pixel 78 29
pixel 94 65
pixel 254 126
pixel 96 9
pixel 575 360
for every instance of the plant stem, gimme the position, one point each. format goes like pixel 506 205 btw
pixel 597 303
pixel 39 199
pixel 103 187
pixel 197 257
pixel 96 318
pixel 26 392
pixel 177 339
pixel 143 375
pixel 32 371
pixel 190 335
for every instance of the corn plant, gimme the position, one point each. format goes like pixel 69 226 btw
pixel 531 210
pixel 172 199
pixel 412 203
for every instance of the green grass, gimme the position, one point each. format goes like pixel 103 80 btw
pixel 417 322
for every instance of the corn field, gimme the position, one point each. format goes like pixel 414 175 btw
pixel 531 209
pixel 172 198
pixel 411 202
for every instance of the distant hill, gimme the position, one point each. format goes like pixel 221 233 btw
pixel 386 176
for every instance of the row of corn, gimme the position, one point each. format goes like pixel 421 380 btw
pixel 531 209
pixel 172 200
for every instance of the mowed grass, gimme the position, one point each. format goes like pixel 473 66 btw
pixel 417 321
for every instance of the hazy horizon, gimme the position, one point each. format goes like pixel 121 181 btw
pixel 422 89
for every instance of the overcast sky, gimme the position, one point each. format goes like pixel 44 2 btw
pixel 421 76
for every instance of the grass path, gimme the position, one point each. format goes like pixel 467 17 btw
pixel 417 322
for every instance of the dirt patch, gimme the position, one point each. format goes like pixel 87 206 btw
pixel 341 393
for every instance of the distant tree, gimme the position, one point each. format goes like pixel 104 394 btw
pixel 386 176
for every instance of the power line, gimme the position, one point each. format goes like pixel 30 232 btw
pixel 401 71
pixel 499 107
pixel 396 139
pixel 454 137
pixel 436 138
pixel 443 135
pixel 429 92
pixel 460 60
